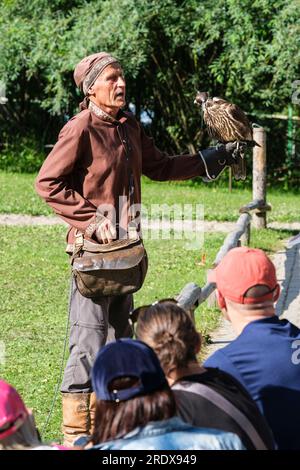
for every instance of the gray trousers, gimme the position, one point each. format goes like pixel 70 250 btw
pixel 93 323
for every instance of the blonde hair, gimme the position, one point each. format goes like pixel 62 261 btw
pixel 25 437
pixel 169 330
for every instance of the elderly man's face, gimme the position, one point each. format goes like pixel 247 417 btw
pixel 108 91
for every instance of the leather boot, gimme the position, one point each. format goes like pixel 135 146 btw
pixel 76 416
pixel 93 402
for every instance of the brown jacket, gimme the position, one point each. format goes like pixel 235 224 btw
pixel 88 166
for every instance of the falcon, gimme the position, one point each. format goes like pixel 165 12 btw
pixel 226 122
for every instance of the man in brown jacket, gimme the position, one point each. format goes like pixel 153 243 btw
pixel 101 153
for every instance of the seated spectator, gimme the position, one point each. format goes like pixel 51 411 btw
pixel 205 397
pixel 17 427
pixel 265 355
pixel 136 409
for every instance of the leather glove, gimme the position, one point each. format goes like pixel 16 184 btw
pixel 102 229
pixel 217 158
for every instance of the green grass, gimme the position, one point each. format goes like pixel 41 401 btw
pixel 17 195
pixel 35 276
pixel 33 297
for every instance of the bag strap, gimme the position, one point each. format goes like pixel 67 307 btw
pixel 127 148
pixel 225 405
pixel 78 245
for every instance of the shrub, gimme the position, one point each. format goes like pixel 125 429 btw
pixel 21 157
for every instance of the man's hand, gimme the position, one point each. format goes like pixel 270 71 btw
pixel 105 231
pixel 102 229
pixel 216 159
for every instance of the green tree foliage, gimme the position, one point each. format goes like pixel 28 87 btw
pixel 245 50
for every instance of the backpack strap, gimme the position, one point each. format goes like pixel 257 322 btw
pixel 225 405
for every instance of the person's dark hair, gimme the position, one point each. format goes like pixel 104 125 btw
pixel 115 419
pixel 257 291
pixel 26 437
pixel 169 330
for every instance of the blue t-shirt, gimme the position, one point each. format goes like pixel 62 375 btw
pixel 265 358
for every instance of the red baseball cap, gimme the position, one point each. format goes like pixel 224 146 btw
pixel 243 268
pixel 13 412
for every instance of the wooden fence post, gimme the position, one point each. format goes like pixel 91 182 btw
pixel 245 238
pixel 259 175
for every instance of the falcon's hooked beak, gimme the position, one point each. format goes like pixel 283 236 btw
pixel 201 98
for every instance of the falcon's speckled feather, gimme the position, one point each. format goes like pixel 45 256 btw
pixel 226 122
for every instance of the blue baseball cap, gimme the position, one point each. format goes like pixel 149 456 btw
pixel 126 358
